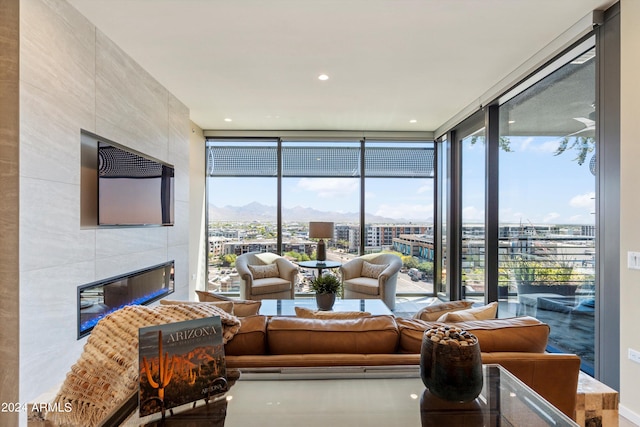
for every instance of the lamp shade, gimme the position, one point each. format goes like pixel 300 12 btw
pixel 321 230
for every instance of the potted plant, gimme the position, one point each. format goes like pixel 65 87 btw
pixel 326 286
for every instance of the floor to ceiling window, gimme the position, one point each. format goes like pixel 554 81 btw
pixel 320 182
pixel 471 137
pixel 547 204
pixel 242 199
pixel 262 194
pixel 399 209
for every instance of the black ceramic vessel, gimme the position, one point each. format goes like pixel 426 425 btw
pixel 451 372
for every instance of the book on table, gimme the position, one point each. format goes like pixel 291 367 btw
pixel 180 362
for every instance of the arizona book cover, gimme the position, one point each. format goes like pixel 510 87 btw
pixel 180 363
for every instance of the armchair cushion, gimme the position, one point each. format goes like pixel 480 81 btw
pixel 270 285
pixel 364 285
pixel 372 270
pixel 264 271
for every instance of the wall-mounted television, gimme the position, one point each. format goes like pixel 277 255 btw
pixel 133 189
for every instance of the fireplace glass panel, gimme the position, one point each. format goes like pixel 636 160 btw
pixel 97 299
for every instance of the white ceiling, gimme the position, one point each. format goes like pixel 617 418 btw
pixel 389 61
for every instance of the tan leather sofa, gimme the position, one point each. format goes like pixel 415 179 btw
pixel 517 344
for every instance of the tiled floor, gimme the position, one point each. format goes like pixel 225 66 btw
pixel 626 423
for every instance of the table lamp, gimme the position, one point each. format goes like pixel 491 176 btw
pixel 321 230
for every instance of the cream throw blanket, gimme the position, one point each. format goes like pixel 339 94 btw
pixel 107 372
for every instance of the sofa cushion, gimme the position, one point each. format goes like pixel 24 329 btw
pixel 485 312
pixel 515 334
pixel 251 338
pixel 264 271
pixel 308 313
pixel 241 307
pixel 434 311
pixel 372 270
pixel 368 335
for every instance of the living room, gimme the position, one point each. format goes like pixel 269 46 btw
pixel 73 77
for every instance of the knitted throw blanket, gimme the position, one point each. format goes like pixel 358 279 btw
pixel 106 373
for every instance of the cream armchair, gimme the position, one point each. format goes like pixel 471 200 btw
pixel 372 276
pixel 265 275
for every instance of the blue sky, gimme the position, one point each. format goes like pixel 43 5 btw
pixel 535 186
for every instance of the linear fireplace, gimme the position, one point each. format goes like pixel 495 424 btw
pixel 97 299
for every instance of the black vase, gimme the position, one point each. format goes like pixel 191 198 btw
pixel 325 301
pixel 451 372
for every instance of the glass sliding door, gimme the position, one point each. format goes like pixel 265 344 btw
pixel 471 137
pixel 443 183
pixel 547 204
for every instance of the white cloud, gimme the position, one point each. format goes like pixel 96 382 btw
pixel 329 187
pixel 587 201
pixel 545 147
pixel 551 217
pixel 523 145
pixel 369 195
pixel 577 219
pixel 508 215
pixel 471 213
pixel 427 187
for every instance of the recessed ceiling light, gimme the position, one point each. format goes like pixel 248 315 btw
pixel 228 120
pixel 511 122
pixel 413 121
pixel 323 77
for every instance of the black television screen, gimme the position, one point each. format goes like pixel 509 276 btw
pixel 133 189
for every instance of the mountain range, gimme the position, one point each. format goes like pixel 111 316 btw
pixel 258 212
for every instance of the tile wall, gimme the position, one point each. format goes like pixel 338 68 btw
pixel 73 77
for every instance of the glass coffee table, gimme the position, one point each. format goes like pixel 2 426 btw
pixel 371 396
pixel 286 307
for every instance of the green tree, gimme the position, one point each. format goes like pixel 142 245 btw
pixel 427 268
pixel 229 260
pixel 410 262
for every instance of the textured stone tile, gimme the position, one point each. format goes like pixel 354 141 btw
pixel 50 26
pixel 182 183
pixel 48 322
pixel 112 242
pixel 131 106
pixel 50 135
pixel 125 263
pixel 179 232
pixel 181 277
pixel 50 233
pixel 179 131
